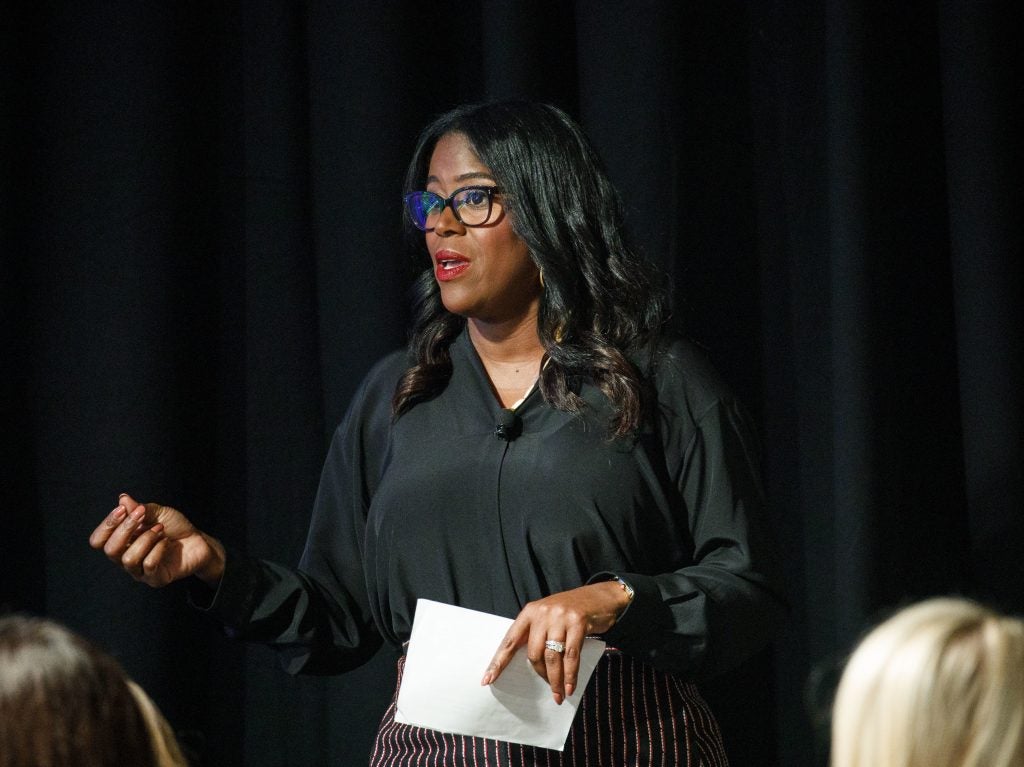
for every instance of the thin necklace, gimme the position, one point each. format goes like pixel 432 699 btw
pixel 533 383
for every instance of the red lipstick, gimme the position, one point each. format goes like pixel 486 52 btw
pixel 449 265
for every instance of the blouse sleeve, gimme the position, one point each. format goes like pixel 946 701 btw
pixel 724 605
pixel 318 616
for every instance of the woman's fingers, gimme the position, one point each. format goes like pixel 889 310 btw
pixel 553 630
pixel 559 662
pixel 552 649
pixel 105 529
pixel 513 639
pixel 112 525
pixel 552 663
pixel 536 651
pixel 127 535
pixel 571 659
pixel 140 550
pixel 157 544
pixel 123 534
pixel 154 560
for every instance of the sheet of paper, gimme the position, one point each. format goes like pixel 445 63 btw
pixel 448 653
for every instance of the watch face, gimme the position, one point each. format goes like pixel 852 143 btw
pixel 625 587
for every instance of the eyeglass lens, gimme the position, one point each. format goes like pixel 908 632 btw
pixel 471 206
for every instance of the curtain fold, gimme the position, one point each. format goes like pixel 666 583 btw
pixel 981 67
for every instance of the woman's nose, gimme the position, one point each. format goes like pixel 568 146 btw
pixel 447 224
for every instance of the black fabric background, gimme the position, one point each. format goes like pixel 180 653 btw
pixel 201 256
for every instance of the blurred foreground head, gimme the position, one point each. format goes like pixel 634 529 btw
pixel 939 684
pixel 64 702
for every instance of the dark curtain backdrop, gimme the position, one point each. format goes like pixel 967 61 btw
pixel 202 256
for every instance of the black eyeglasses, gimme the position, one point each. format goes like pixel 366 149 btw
pixel 471 206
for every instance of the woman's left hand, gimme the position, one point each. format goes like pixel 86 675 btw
pixel 565 618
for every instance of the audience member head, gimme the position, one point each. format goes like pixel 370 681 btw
pixel 939 684
pixel 64 702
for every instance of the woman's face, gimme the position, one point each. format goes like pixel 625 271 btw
pixel 484 272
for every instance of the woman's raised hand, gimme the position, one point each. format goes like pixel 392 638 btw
pixel 157 545
pixel 564 620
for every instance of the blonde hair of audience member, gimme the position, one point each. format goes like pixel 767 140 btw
pixel 161 736
pixel 939 684
pixel 64 702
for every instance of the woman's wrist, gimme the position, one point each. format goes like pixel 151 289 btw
pixel 212 570
pixel 617 599
pixel 626 592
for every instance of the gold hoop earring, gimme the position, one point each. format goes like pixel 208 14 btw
pixel 541 273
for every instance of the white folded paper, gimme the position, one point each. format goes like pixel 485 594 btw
pixel 449 651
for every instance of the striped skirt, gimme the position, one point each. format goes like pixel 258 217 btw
pixel 630 715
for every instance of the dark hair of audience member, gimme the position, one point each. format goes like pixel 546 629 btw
pixel 65 702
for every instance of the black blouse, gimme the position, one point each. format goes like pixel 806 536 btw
pixel 436 506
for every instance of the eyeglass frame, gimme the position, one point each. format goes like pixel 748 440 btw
pixel 446 202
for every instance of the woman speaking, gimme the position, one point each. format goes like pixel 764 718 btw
pixel 543 450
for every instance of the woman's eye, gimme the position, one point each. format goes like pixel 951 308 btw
pixel 474 198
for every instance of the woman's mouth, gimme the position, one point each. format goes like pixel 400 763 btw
pixel 449 265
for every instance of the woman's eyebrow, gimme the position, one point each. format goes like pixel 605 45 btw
pixel 464 177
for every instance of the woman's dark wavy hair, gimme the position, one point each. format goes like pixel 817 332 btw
pixel 600 300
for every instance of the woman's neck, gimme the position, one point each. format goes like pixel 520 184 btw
pixel 511 354
pixel 507 343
